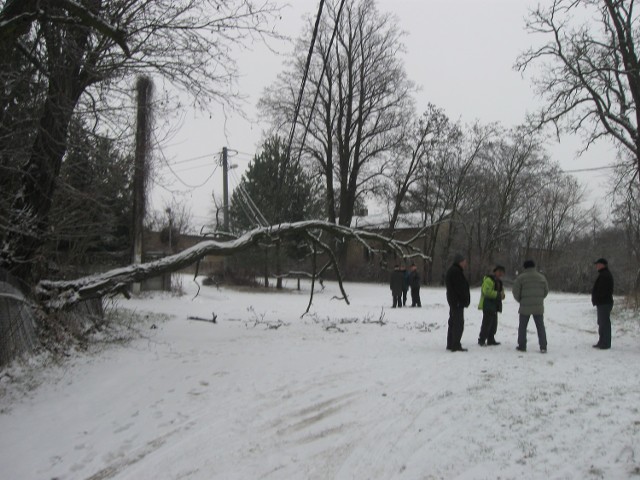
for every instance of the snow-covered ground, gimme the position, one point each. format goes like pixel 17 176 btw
pixel 266 394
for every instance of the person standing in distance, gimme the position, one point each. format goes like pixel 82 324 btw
pixel 414 284
pixel 602 299
pixel 396 283
pixel 530 289
pixel 491 296
pixel 405 284
pixel 458 298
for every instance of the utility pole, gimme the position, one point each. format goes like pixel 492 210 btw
pixel 143 133
pixel 225 189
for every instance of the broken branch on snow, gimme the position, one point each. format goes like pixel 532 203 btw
pixel 60 294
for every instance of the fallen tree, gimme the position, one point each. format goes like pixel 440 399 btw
pixel 57 295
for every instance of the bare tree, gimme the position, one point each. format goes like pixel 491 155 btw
pixel 85 49
pixel 362 105
pixel 173 220
pixel 443 190
pixel 563 218
pixel 508 163
pixel 590 78
pixel 413 159
pixel 627 218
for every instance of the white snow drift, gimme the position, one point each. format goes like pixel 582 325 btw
pixel 348 392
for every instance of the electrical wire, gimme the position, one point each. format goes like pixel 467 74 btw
pixel 250 155
pixel 166 162
pixel 296 112
pixel 246 209
pixel 193 159
pixel 256 215
pixel 208 165
pixel 325 60
pixel 594 169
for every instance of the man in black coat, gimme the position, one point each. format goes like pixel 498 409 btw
pixel 458 298
pixel 396 284
pixel 602 299
pixel 414 284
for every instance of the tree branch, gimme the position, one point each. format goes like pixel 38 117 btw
pixel 61 294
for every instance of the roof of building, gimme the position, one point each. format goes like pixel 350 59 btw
pixel 381 221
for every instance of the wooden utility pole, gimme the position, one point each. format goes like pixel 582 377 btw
pixel 144 87
pixel 225 188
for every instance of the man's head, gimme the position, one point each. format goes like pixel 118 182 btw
pixel 529 264
pixel 601 263
pixel 460 259
pixel 414 267
pixel 498 271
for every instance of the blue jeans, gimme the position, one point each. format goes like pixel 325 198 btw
pixel 522 330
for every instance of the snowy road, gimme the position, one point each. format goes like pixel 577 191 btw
pixel 326 397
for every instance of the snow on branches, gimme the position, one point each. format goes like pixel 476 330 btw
pixel 56 295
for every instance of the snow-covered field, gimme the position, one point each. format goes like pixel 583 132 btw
pixel 266 394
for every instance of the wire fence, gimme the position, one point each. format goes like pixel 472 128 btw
pixel 17 324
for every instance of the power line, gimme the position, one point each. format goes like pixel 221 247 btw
pixel 208 165
pixel 245 206
pixel 325 60
pixel 296 112
pixel 594 169
pixel 246 154
pixel 193 159
pixel 255 215
pixel 259 218
pixel 166 162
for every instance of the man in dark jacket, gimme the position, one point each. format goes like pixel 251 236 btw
pixel 414 284
pixel 396 284
pixel 458 298
pixel 405 284
pixel 602 299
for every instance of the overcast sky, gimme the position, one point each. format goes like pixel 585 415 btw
pixel 461 54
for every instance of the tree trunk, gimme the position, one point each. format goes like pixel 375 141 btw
pixel 31 207
pixel 266 267
pixel 278 267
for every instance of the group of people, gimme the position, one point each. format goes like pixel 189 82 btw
pixel 401 282
pixel 530 288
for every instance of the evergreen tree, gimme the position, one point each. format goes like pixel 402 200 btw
pixel 280 189
pixel 91 209
pixel 274 190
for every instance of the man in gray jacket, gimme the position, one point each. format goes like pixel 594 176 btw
pixel 530 289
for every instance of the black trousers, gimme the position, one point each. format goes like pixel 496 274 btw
pixel 415 297
pixel 604 325
pixel 489 327
pixel 456 327
pixel 522 330
pixel 404 297
pixel 397 301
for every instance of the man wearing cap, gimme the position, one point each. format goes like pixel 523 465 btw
pixel 530 289
pixel 414 283
pixel 491 296
pixel 458 298
pixel 602 299
pixel 396 284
